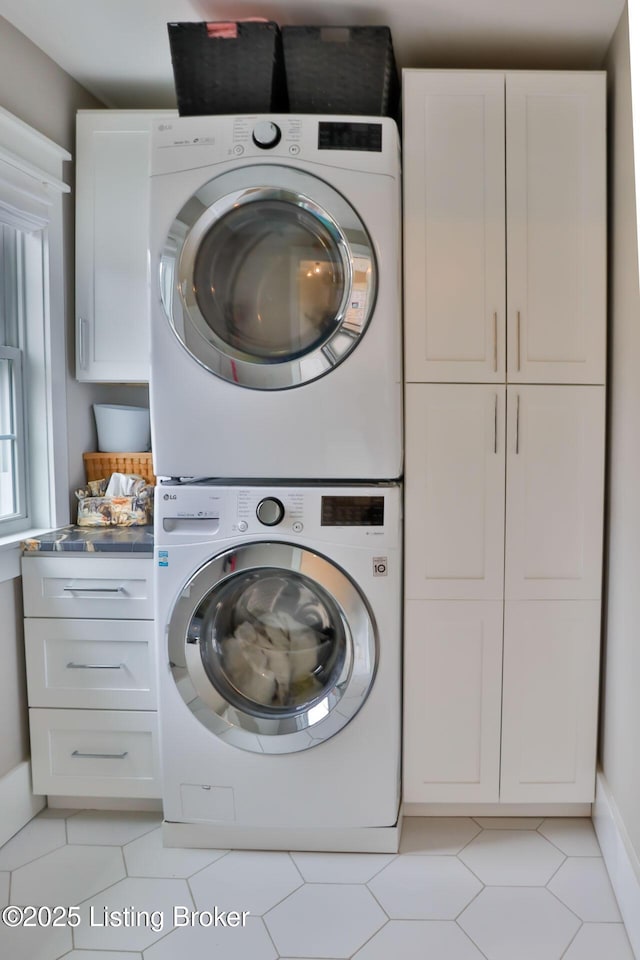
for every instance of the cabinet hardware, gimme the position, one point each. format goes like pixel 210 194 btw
pixel 93 589
pixel 94 666
pixel 495 423
pixel 518 424
pixel 99 756
pixel 518 339
pixel 495 341
pixel 82 342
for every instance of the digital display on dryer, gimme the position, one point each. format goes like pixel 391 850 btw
pixel 350 136
pixel 352 512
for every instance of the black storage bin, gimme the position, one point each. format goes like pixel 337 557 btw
pixel 227 67
pixel 348 70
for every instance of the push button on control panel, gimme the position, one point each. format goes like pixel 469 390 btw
pixel 270 511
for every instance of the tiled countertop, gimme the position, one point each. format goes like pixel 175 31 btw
pixel 73 539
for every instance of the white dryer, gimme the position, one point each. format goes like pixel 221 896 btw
pixel 278 616
pixel 275 297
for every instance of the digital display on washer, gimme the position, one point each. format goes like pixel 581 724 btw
pixel 350 136
pixel 352 512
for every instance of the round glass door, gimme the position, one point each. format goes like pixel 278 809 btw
pixel 272 647
pixel 264 286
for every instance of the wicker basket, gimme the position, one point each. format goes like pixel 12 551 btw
pixel 231 67
pixel 100 466
pixel 348 70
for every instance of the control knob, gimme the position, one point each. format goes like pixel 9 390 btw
pixel 266 134
pixel 270 511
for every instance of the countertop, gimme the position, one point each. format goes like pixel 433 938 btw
pixel 73 539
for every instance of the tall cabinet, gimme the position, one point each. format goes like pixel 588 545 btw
pixel 504 179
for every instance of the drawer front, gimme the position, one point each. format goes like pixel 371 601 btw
pixel 90 663
pixel 88 587
pixel 94 753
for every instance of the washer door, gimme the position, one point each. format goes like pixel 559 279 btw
pixel 272 647
pixel 264 286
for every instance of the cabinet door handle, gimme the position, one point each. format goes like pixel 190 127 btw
pixel 518 423
pixel 495 341
pixel 518 339
pixel 495 423
pixel 93 589
pixel 82 342
pixel 94 666
pixel 99 756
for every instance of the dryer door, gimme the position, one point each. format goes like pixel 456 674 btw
pixel 268 277
pixel 272 647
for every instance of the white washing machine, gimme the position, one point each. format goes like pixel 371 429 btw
pixel 276 298
pixel 278 615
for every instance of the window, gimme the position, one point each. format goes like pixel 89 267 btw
pixel 20 295
pixel 33 471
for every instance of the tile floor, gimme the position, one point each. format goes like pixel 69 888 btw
pixel 460 889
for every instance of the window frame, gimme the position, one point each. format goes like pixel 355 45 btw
pixel 31 201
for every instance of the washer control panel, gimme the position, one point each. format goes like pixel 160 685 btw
pixel 199 510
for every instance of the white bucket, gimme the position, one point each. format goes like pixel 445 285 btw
pixel 122 429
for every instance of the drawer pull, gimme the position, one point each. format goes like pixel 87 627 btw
pixel 94 589
pixel 99 756
pixel 94 666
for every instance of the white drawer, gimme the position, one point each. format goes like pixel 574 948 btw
pixel 88 586
pixel 95 753
pixel 90 663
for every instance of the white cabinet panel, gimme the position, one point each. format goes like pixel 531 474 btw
pixel 556 212
pixel 454 224
pixel 550 701
pixel 112 238
pixel 453 657
pixel 454 492
pixel 90 663
pixel 87 587
pixel 103 753
pixel 555 490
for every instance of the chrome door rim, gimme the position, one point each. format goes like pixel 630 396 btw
pixel 205 208
pixel 294 730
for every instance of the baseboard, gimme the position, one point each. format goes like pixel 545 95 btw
pixel 497 809
pixel 620 859
pixel 105 803
pixel 17 801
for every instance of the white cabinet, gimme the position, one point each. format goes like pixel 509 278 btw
pixel 454 226
pixel 504 187
pixel 464 133
pixel 112 226
pixel 555 492
pixel 454 491
pixel 556 241
pixel 462 559
pixel 452 686
pixel 550 701
pixel 90 652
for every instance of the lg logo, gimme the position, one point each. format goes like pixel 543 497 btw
pixel 170 496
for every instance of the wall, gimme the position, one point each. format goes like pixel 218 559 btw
pixel 619 754
pixel 35 89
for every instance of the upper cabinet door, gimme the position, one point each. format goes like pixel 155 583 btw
pixel 112 227
pixel 556 215
pixel 454 223
pixel 555 490
pixel 454 492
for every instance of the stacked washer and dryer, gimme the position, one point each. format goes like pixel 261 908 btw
pixel 276 401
